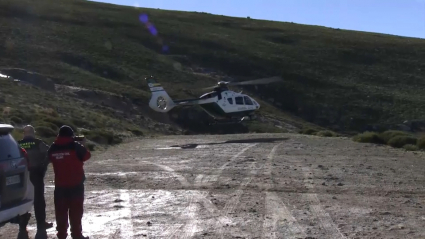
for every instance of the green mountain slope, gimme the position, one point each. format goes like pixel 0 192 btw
pixel 338 79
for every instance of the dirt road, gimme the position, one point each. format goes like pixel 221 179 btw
pixel 251 186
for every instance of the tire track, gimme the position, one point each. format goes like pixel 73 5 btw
pixel 325 221
pixel 278 220
pixel 189 228
pixel 210 179
pixel 126 218
pixel 183 181
pixel 280 223
pixel 235 200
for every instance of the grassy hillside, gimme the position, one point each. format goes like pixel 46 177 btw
pixel 334 78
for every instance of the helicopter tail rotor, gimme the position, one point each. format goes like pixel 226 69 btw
pixel 160 100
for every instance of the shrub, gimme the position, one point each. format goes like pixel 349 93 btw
pixel 421 143
pixel 16 120
pixel 17 134
pixel 326 133
pixel 60 122
pixel 103 137
pixel 137 132
pixel 81 123
pixel 388 135
pixel 369 137
pixel 45 132
pixel 410 147
pixel 91 146
pixel 309 131
pixel 46 124
pixel 400 141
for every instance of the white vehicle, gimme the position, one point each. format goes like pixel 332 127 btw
pixel 222 104
pixel 16 190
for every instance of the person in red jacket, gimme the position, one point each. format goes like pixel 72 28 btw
pixel 67 157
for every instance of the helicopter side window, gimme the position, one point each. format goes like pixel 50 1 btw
pixel 239 100
pixel 247 100
pixel 230 100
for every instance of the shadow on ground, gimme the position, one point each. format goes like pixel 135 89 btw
pixel 237 141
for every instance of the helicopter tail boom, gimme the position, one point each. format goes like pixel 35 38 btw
pixel 160 100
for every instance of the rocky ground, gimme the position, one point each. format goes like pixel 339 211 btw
pixel 250 186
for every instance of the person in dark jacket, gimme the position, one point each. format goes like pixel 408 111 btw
pixel 36 151
pixel 67 157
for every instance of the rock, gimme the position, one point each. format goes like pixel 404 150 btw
pixel 340 184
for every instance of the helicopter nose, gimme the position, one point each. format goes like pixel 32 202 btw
pixel 257 106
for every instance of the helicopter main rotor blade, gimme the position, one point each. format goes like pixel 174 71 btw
pixel 208 88
pixel 250 82
pixel 258 81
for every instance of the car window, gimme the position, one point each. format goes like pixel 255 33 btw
pixel 9 148
pixel 247 100
pixel 230 100
pixel 239 100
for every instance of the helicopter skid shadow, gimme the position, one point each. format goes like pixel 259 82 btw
pixel 237 141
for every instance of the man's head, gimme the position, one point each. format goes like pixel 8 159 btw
pixel 66 131
pixel 29 131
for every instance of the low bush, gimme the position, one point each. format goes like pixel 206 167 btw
pixel 45 132
pixel 82 123
pixel 309 131
pixel 46 124
pixel 388 135
pixel 103 137
pixel 91 146
pixel 421 143
pixel 136 132
pixel 326 133
pixel 393 138
pixel 410 147
pixel 369 137
pixel 17 134
pixel 400 141
pixel 59 122
pixel 16 120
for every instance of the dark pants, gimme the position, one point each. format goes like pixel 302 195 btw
pixel 37 179
pixel 69 200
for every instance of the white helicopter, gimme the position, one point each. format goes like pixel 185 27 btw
pixel 222 104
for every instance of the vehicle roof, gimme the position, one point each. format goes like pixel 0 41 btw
pixel 6 127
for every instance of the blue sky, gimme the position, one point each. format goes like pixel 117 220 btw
pixel 398 17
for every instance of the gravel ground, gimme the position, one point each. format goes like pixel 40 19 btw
pixel 250 186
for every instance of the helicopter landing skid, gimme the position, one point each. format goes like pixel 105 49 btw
pixel 231 121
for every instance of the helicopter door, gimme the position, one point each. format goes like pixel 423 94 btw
pixel 239 100
pixel 240 103
pixel 230 100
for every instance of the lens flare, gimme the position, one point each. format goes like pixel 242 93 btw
pixel 143 18
pixel 151 28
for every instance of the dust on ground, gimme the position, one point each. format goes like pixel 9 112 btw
pixel 250 186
